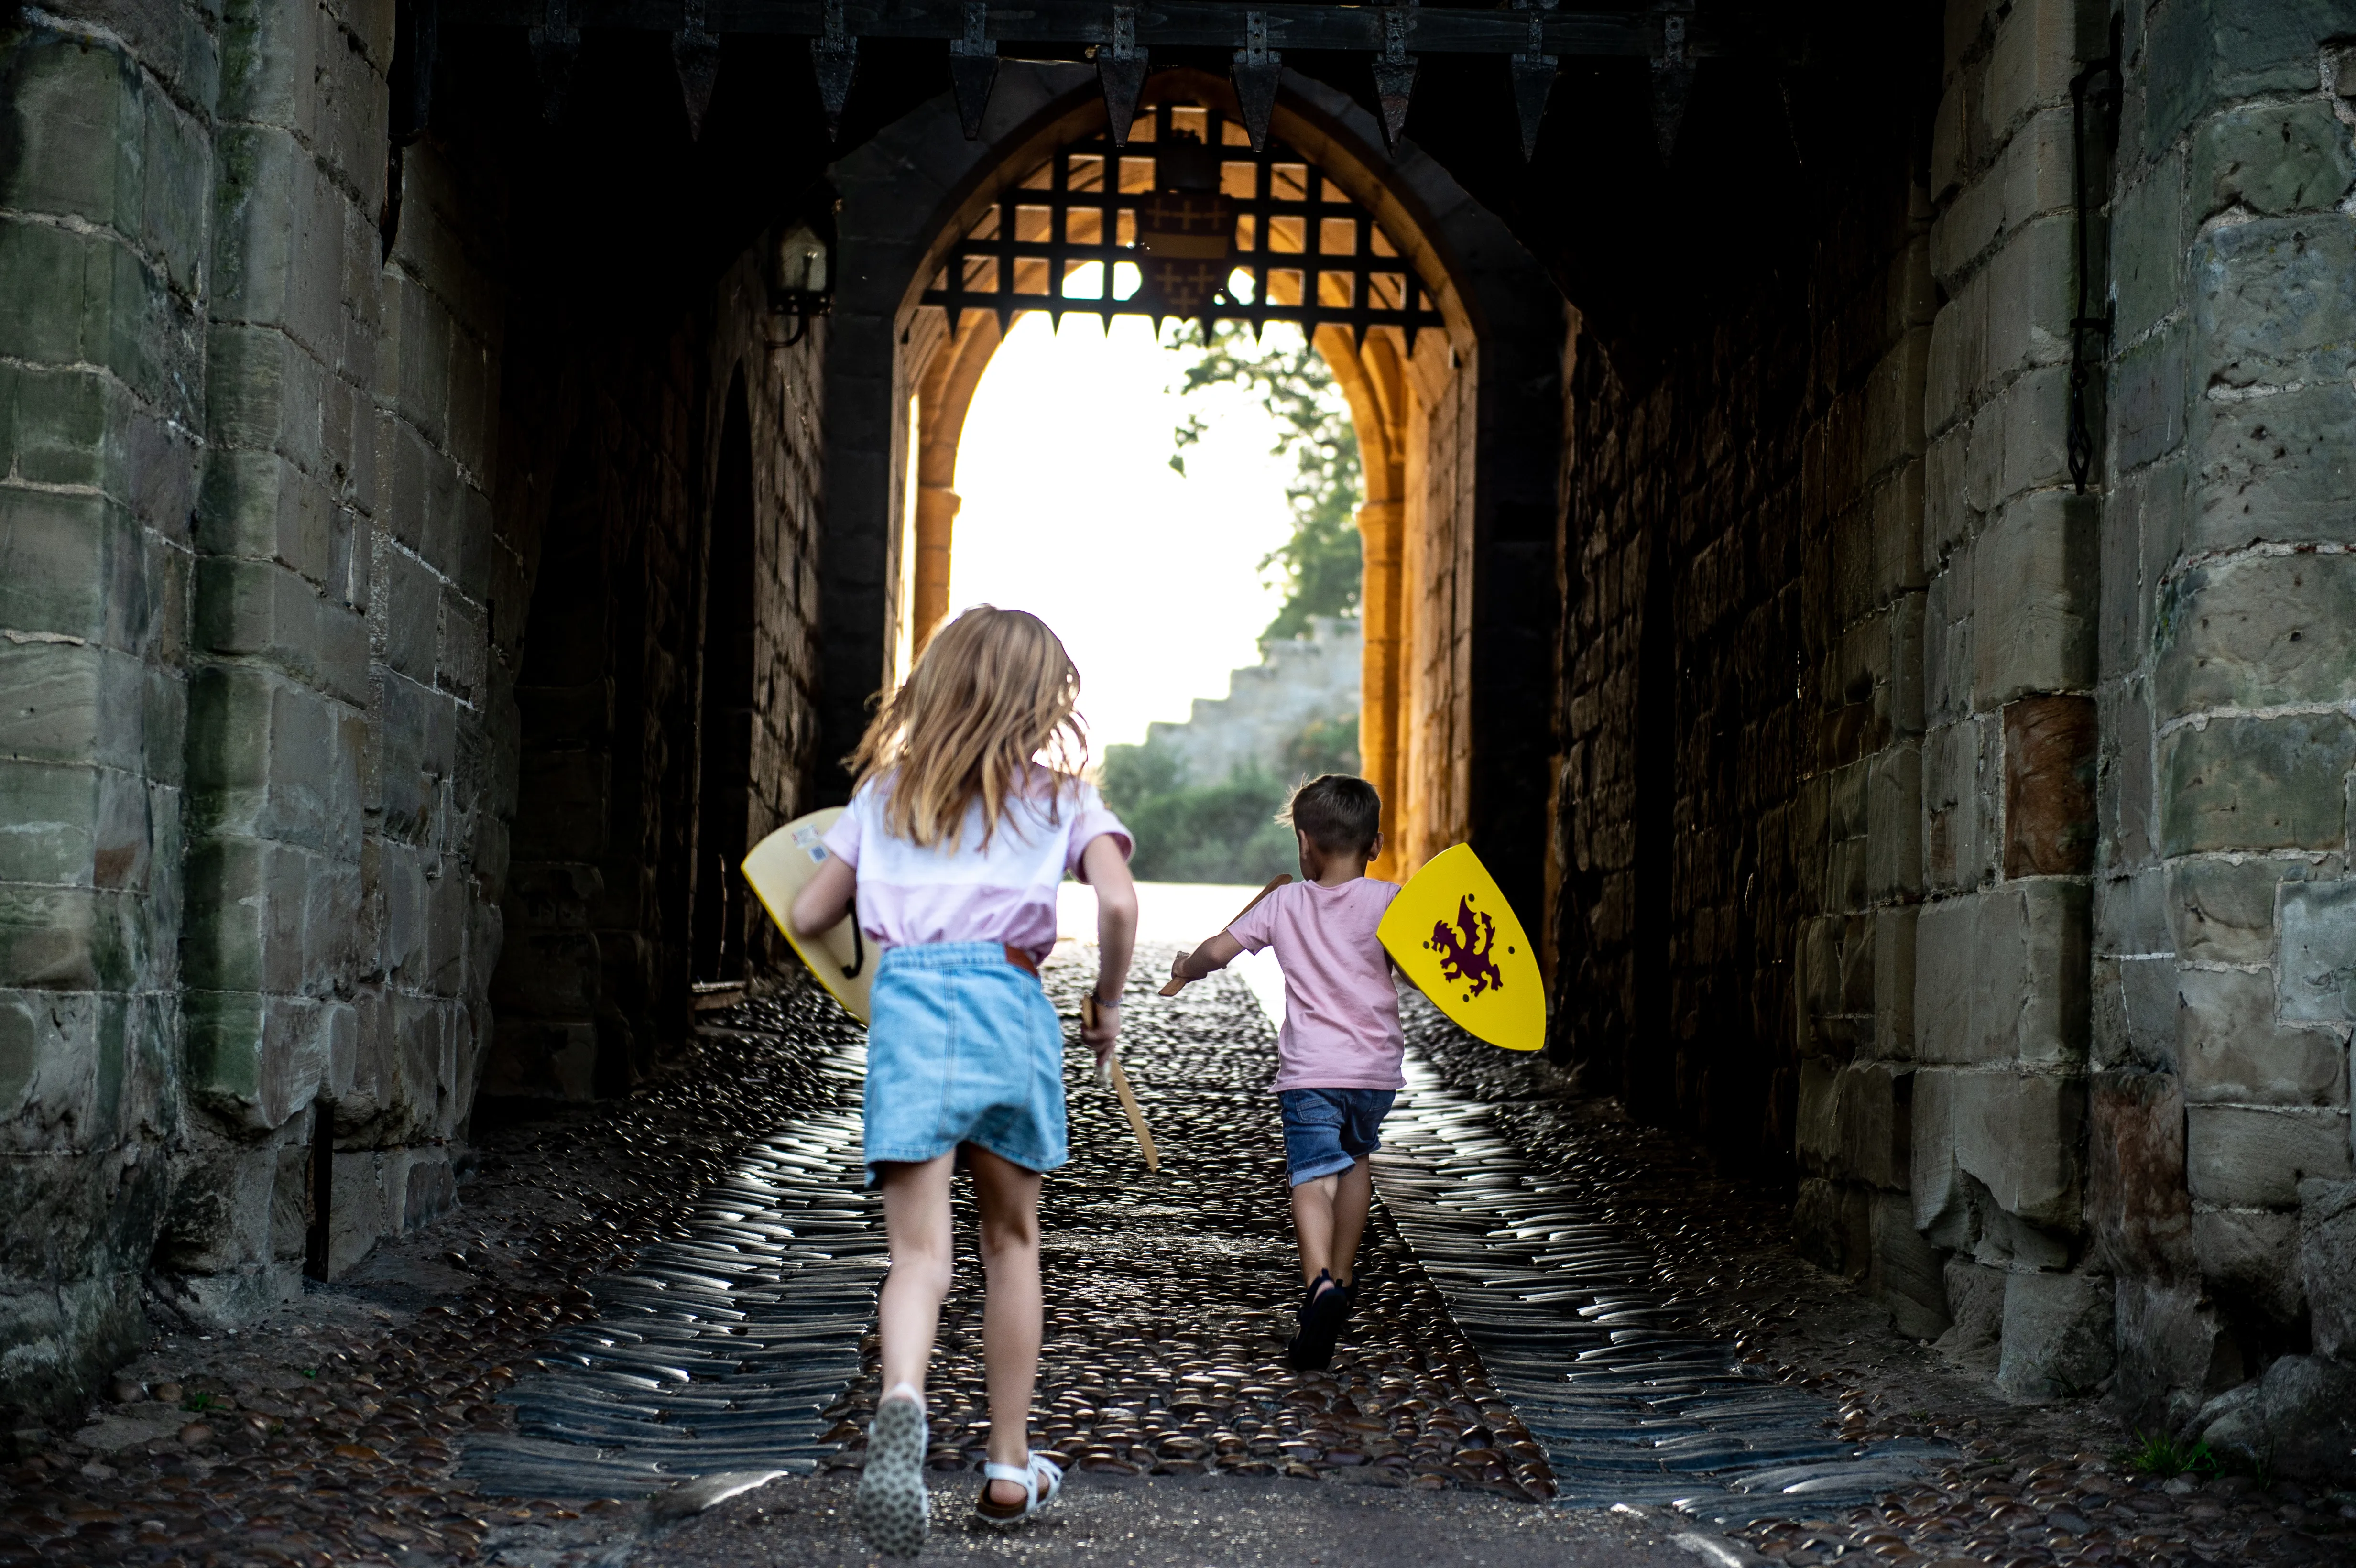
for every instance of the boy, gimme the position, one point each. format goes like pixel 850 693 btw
pixel 1338 1057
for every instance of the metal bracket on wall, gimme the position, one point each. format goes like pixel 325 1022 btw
pixel 834 56
pixel 1394 70
pixel 695 55
pixel 973 69
pixel 555 44
pixel 1668 35
pixel 1257 70
pixel 1120 68
pixel 1534 72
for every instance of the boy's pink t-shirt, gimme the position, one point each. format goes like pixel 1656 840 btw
pixel 1341 1008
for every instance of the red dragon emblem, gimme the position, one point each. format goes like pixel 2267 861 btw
pixel 1464 949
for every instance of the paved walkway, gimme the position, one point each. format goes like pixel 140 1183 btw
pixel 1575 1347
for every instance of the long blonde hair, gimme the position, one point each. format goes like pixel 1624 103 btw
pixel 992 690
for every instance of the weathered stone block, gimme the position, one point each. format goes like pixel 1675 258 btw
pixel 2256 784
pixel 2271 158
pixel 2136 1197
pixel 1832 1226
pixel 2201 53
pixel 256 1060
pixel 2148 246
pixel 2258 631
pixel 2175 1354
pixel 2248 1156
pixel 2327 1256
pixel 1959 805
pixel 264 389
pixel 1817 1139
pixel 2315 977
pixel 2131 914
pixel 1975 1302
pixel 2029 987
pixel 2266 465
pixel 73 565
pixel 1946 942
pixel 2222 912
pixel 68 1071
pixel 2034 579
pixel 278 234
pixel 2135 1021
pixel 1894 964
pixel 1893 855
pixel 2126 785
pixel 2299 1419
pixel 64 702
pixel 2228 1048
pixel 262 611
pixel 2016 1134
pixel 272 760
pixel 2057 1334
pixel 2048 786
pixel 1907 1271
pixel 2249 1257
pixel 261 507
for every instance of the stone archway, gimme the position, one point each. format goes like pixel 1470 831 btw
pixel 1458 440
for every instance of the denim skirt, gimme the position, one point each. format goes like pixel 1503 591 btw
pixel 962 1048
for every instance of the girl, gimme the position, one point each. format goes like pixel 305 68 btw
pixel 950 853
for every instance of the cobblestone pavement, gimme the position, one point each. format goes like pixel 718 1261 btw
pixel 619 1238
pixel 2027 1485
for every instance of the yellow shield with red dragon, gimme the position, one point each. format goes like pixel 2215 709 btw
pixel 1454 936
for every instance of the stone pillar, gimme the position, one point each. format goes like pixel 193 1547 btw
pixel 2226 917
pixel 1380 526
pixel 104 239
pixel 937 510
pixel 2000 1020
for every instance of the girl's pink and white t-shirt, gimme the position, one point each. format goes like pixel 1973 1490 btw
pixel 1341 1006
pixel 1005 892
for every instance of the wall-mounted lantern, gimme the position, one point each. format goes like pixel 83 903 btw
pixel 1186 227
pixel 801 280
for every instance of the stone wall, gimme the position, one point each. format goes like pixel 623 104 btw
pixel 292 427
pixel 1299 682
pixel 1987 828
pixel 2223 929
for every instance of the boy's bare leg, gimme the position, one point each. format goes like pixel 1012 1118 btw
pixel 1355 1191
pixel 1329 1216
pixel 916 1223
pixel 1313 1224
pixel 1008 1196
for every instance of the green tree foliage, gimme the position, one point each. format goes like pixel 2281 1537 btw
pixel 1222 832
pixel 1320 564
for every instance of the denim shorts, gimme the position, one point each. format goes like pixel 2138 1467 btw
pixel 962 1048
pixel 1326 1131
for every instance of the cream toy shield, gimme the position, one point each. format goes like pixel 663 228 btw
pixel 1453 934
pixel 779 866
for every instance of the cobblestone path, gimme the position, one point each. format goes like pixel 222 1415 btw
pixel 1560 1305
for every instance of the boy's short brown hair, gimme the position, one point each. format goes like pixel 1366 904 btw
pixel 1338 811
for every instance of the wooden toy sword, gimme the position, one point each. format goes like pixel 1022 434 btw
pixel 1111 1064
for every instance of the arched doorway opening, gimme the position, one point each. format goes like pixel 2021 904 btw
pixel 1327 236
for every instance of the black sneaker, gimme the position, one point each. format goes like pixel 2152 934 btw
pixel 1311 1349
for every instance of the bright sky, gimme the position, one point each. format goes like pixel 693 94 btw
pixel 1070 511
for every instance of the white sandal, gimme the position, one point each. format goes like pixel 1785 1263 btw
pixel 1028 1477
pixel 892 1509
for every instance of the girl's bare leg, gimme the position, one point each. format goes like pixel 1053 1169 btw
pixel 1008 1196
pixel 908 1312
